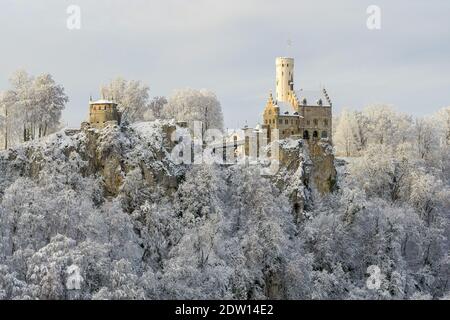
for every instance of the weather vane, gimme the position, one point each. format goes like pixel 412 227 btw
pixel 289 45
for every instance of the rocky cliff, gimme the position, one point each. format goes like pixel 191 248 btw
pixel 109 155
pixel 140 152
pixel 304 167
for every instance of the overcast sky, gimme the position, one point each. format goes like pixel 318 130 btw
pixel 229 47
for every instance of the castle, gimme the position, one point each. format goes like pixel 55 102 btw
pixel 302 114
pixel 294 113
pixel 103 112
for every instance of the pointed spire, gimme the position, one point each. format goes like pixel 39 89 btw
pixel 270 100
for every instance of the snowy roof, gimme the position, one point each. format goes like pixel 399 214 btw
pixel 285 108
pixel 102 101
pixel 312 97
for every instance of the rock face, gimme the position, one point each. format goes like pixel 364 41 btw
pixel 138 154
pixel 304 166
pixel 115 151
pixel 323 170
pixel 109 154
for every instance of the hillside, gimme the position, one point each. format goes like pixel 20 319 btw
pixel 111 204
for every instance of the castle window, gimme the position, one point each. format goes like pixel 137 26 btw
pixel 316 122
pixel 308 122
pixel 286 121
pixel 324 134
pixel 306 135
pixel 325 122
pixel 315 134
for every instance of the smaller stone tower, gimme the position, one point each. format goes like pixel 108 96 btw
pixel 102 112
pixel 285 78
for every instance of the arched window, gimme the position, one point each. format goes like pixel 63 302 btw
pixel 316 122
pixel 315 134
pixel 306 134
pixel 324 134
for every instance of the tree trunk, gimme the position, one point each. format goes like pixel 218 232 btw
pixel 6 128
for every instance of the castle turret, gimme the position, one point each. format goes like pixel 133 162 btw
pixel 284 78
pixel 102 112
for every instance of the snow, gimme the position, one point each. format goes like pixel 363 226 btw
pixel 217 232
pixel 102 101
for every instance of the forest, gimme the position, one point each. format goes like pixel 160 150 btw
pixel 111 204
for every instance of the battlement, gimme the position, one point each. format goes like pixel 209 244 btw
pixel 103 112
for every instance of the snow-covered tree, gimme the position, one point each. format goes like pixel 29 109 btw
pixel 33 107
pixel 195 105
pixel 347 136
pixel 134 225
pixel 9 118
pixel 387 126
pixel 155 108
pixel 130 95
pixel 50 101
pixel 427 139
pixel 442 121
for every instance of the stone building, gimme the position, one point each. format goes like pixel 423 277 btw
pixel 299 113
pixel 102 112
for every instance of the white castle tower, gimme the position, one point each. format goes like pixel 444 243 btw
pixel 284 77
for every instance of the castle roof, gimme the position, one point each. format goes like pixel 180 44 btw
pixel 285 108
pixel 102 101
pixel 313 97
